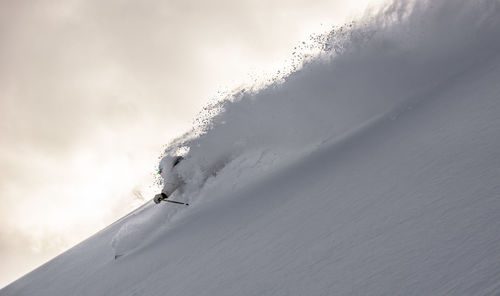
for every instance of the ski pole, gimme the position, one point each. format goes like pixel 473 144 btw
pixel 176 202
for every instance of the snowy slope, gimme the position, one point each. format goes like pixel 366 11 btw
pixel 385 183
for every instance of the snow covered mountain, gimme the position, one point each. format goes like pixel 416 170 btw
pixel 374 169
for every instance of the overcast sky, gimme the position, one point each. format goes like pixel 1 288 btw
pixel 91 90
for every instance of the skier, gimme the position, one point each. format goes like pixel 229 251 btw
pixel 171 178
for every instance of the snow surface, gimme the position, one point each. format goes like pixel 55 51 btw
pixel 372 170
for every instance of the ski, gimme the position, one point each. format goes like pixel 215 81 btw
pixel 176 202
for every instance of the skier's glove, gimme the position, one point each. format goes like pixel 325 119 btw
pixel 158 198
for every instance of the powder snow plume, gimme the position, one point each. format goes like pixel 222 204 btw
pixel 365 70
